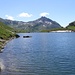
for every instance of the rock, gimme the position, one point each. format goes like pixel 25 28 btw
pixel 17 36
pixel 27 36
pixel 1 40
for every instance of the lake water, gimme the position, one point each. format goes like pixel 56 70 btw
pixel 42 54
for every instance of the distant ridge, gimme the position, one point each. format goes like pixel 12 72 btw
pixel 71 26
pixel 42 23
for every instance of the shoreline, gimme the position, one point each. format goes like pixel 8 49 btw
pixel 4 42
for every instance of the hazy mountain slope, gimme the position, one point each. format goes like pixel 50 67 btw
pixel 42 23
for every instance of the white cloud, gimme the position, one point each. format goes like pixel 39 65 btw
pixel 44 14
pixel 25 15
pixel 9 17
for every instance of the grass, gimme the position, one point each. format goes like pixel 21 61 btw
pixel 71 28
pixel 6 33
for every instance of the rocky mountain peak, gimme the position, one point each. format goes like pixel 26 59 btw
pixel 43 19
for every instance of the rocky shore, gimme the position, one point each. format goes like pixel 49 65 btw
pixel 4 42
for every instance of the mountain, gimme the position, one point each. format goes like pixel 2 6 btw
pixel 42 23
pixel 71 26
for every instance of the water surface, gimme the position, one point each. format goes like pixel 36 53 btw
pixel 42 54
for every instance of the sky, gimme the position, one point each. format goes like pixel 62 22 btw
pixel 61 11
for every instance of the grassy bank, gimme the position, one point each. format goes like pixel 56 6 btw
pixel 6 33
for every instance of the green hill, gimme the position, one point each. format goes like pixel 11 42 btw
pixel 5 33
pixel 71 26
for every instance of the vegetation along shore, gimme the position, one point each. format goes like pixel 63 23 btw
pixel 6 33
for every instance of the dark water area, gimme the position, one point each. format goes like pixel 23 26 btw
pixel 42 54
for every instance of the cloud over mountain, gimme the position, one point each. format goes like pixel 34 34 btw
pixel 44 14
pixel 25 15
pixel 9 17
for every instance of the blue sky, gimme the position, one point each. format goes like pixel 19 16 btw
pixel 61 11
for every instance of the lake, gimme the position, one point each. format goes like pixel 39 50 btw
pixel 42 54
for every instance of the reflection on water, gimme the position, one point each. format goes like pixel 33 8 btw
pixel 2 67
pixel 43 54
